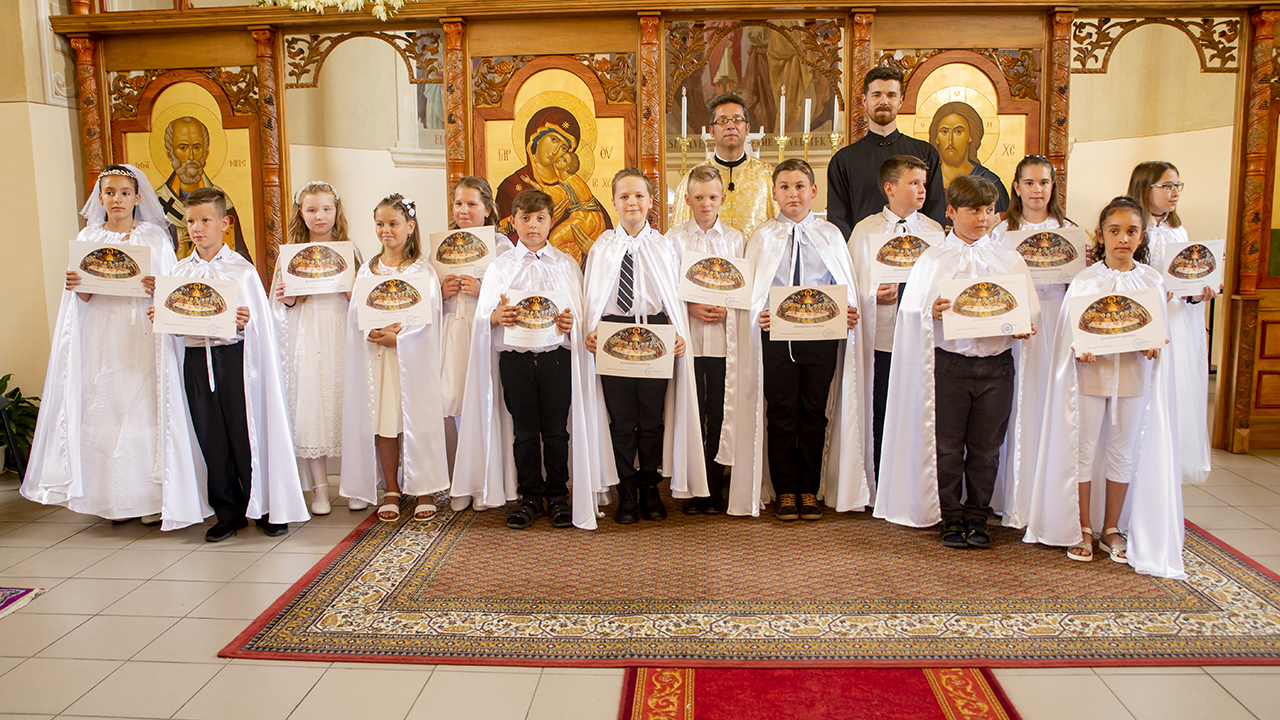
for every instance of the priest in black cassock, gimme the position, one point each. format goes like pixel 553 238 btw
pixel 853 191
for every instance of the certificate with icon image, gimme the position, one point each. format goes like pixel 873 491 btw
pixel 536 312
pixel 111 268
pixel 895 254
pixel 463 252
pixel 1116 322
pixel 635 351
pixel 810 312
pixel 204 307
pixel 317 268
pixel 1053 256
pixel 714 280
pixel 985 307
pixel 389 299
pixel 1189 266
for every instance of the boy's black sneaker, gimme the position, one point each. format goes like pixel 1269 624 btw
pixel 272 529
pixel 224 529
pixel 953 535
pixel 788 508
pixel 976 534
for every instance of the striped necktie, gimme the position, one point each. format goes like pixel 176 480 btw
pixel 626 284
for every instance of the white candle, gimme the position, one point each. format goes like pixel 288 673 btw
pixel 684 112
pixel 835 121
pixel 807 102
pixel 782 112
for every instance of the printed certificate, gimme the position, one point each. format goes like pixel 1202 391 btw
pixel 1053 256
pixel 536 312
pixel 111 268
pixel 811 312
pixel 895 254
pixel 986 307
pixel 1189 266
pixel 1117 322
pixel 637 351
pixel 714 280
pixel 191 306
pixel 462 252
pixel 317 268
pixel 389 299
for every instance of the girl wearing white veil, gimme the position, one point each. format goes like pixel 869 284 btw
pixel 113 437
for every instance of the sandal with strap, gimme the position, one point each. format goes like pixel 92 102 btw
pixel 1083 550
pixel 389 507
pixel 560 513
pixel 1117 550
pixel 523 515
pixel 425 510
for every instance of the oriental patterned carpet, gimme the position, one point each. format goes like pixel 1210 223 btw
pixel 13 598
pixel 700 591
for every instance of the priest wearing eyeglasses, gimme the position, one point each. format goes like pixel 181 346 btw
pixel 748 181
pixel 853 190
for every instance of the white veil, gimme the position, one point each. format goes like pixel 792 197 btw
pixel 148 210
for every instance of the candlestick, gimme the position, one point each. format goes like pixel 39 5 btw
pixel 782 112
pixel 807 102
pixel 684 115
pixel 805 139
pixel 683 141
pixel 835 141
pixel 782 147
pixel 835 121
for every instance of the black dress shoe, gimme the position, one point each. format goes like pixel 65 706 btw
pixel 976 534
pixel 224 529
pixel 272 529
pixel 694 506
pixel 953 535
pixel 628 511
pixel 713 505
pixel 651 507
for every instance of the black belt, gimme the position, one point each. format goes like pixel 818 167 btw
pixel 658 319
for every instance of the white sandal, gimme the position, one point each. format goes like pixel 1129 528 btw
pixel 1083 550
pixel 389 507
pixel 1119 550
pixel 424 506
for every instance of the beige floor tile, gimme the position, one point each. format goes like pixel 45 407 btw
pixel 1241 462
pixel 250 539
pixel 193 640
pixel 108 637
pixel 49 685
pixel 252 693
pixel 42 534
pixel 107 535
pixel 1242 670
pixel 1175 697
pixel 1187 670
pixel 1267 514
pixel 215 567
pixel 312 540
pixel 451 695
pixel 1061 697
pixel 26 634
pixel 1251 542
pixel 9 663
pixel 10 716
pixel 58 562
pixel 10 556
pixel 1238 496
pixel 599 672
pixel 284 567
pixel 333 696
pixel 8 527
pixel 1259 694
pixel 188 538
pixel 21 581
pixel 1012 672
pixel 134 564
pixel 62 515
pixel 145 690
pixel 24 511
pixel 1220 476
pixel 502 669
pixel 341 517
pixel 576 697
pixel 83 596
pixel 1223 518
pixel 240 600
pixel 1195 496
pixel 168 598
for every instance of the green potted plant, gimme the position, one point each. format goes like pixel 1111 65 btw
pixel 22 412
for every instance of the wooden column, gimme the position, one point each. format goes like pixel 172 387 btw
pixel 651 117
pixel 269 157
pixel 1258 132
pixel 455 101
pixel 1059 92
pixel 859 65
pixel 87 71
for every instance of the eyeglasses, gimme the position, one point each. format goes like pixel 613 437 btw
pixel 735 120
pixel 1171 187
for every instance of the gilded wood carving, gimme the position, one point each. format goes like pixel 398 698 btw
pixel 269 147
pixel 1059 94
pixel 420 50
pixel 239 83
pixel 90 110
pixel 1217 41
pixel 615 71
pixel 860 53
pixel 1021 67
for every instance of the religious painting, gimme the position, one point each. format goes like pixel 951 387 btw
pixel 188 146
pixel 552 125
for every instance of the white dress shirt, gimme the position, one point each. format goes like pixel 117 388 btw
pixel 723 240
pixel 886 221
pixel 971 267
pixel 534 275
pixel 812 270
pixel 645 300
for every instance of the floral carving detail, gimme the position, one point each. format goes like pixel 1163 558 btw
pixel 491 75
pixel 1217 41
pixel 616 72
pixel 240 84
pixel 126 91
pixel 1021 67
pixel 420 50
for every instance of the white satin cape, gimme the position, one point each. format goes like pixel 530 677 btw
pixel 1152 515
pixel 457 314
pixel 847 478
pixel 737 327
pixel 682 459
pixel 423 469
pixel 276 490
pixel 484 472
pixel 909 458
pixel 1190 355
pixel 55 474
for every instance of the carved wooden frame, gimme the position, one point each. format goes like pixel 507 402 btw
pixel 305 55
pixel 1213 44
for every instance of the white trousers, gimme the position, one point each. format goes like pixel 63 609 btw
pixel 1095 422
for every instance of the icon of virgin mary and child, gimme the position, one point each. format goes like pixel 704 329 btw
pixel 552 138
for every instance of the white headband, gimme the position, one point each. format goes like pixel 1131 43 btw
pixel 315 186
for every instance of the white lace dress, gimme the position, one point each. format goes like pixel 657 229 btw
pixel 312 345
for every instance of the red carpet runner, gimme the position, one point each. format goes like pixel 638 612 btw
pixel 820 693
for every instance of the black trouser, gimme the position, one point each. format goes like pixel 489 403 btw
pixel 973 397
pixel 879 399
pixel 538 389
pixel 709 372
pixel 221 426
pixel 797 380
pixel 635 408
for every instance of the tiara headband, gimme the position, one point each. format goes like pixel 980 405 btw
pixel 116 171
pixel 297 197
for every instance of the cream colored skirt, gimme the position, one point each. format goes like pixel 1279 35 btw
pixel 388 419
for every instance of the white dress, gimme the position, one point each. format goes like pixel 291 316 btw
pixel 312 346
pixel 458 314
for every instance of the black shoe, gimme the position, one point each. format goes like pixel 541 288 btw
pixel 809 507
pixel 272 529
pixel 122 521
pixel 560 512
pixel 976 534
pixel 953 535
pixel 787 508
pixel 525 513
pixel 715 504
pixel 224 529
pixel 651 507
pixel 694 506
pixel 628 511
